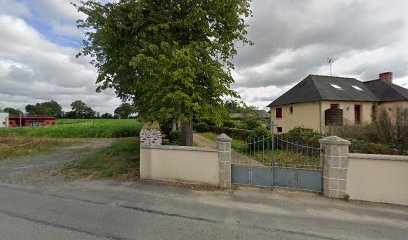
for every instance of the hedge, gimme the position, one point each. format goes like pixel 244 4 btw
pixel 235 133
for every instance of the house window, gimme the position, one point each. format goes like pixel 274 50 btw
pixel 291 109
pixel 278 113
pixel 334 105
pixel 357 114
pixel 279 129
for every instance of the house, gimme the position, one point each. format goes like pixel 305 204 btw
pixel 320 101
pixel 31 121
pixel 4 120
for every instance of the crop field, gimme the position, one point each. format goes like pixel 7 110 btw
pixel 80 128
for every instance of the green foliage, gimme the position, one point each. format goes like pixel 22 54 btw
pixel 80 128
pixel 50 108
pixel 124 110
pixel 172 58
pixel 107 116
pixel 80 110
pixel 301 135
pixel 261 136
pixel 175 137
pixel 12 111
pixel 166 127
pixel 233 106
pixel 201 127
pixel 346 197
pixel 251 122
pixel 260 133
pixel 229 124
pixel 382 136
pixel 234 133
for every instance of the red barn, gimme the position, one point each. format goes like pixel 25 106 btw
pixel 31 121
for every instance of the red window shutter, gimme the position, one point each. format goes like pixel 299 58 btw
pixel 278 113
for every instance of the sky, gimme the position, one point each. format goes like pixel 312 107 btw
pixel 292 39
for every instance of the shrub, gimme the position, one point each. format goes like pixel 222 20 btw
pixel 261 136
pixel 202 127
pixel 251 123
pixel 175 137
pixel 229 124
pixel 302 135
pixel 235 133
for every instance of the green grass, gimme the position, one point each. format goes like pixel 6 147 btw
pixel 80 128
pixel 12 146
pixel 280 157
pixel 120 160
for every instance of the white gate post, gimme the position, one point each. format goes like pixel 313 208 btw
pixel 224 160
pixel 335 165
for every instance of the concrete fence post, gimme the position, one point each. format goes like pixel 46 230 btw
pixel 335 165
pixel 224 160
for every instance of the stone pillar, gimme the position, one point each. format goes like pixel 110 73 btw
pixel 224 160
pixel 150 137
pixel 335 164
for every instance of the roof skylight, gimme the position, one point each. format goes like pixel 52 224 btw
pixel 357 88
pixel 336 86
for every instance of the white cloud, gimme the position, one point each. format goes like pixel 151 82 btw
pixel 33 67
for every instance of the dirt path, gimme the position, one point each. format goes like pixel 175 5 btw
pixel 39 169
pixel 237 158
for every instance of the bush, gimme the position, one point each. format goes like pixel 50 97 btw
pixel 202 127
pixel 175 137
pixel 260 133
pixel 229 124
pixel 261 136
pixel 235 133
pixel 251 123
pixel 302 135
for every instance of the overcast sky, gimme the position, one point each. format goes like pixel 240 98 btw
pixel 39 40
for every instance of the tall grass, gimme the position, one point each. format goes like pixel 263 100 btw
pixel 386 133
pixel 81 128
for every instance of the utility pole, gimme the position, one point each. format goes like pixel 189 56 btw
pixel 20 120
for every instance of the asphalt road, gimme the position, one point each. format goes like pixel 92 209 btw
pixel 83 209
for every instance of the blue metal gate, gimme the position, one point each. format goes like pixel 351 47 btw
pixel 277 162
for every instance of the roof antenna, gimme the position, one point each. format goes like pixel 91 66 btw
pixel 330 61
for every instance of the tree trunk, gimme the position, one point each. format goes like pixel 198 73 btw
pixel 187 133
pixel 174 125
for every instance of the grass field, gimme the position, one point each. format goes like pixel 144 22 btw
pixel 120 160
pixel 80 128
pixel 12 146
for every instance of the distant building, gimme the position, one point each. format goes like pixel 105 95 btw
pixel 321 101
pixel 31 121
pixel 4 120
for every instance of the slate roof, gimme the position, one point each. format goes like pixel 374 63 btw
pixel 385 91
pixel 261 113
pixel 316 88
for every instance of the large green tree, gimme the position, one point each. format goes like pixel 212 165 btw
pixel 81 110
pixel 50 108
pixel 171 57
pixel 124 110
pixel 12 111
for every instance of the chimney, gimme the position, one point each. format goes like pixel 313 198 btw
pixel 387 76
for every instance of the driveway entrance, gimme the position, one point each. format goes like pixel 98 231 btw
pixel 277 162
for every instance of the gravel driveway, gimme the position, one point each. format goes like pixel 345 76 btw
pixel 39 169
